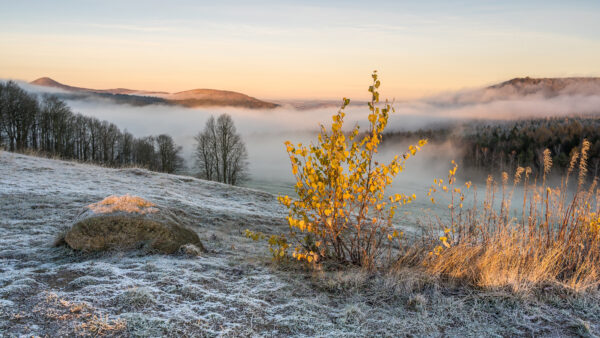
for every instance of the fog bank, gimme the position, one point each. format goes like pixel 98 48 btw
pixel 264 131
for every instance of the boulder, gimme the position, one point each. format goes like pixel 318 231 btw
pixel 128 223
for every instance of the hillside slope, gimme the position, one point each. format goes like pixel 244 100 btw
pixel 234 290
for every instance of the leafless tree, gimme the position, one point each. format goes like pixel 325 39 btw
pixel 18 110
pixel 168 154
pixel 220 152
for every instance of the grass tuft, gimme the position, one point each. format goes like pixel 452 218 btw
pixel 553 239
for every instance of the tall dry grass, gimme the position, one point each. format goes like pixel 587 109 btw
pixel 553 239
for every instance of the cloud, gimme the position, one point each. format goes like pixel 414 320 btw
pixel 508 102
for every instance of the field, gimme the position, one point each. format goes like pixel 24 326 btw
pixel 234 289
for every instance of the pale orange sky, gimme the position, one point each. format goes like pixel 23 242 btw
pixel 277 50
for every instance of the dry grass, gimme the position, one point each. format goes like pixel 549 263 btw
pixel 554 239
pixel 99 326
pixel 125 203
pixel 85 318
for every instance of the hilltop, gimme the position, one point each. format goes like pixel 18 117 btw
pixel 190 98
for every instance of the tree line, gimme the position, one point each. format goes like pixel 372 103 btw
pixel 47 125
pixel 523 142
pixel 505 145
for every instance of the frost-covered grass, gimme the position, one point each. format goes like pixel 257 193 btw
pixel 233 290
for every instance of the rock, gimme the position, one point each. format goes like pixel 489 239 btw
pixel 128 223
pixel 190 250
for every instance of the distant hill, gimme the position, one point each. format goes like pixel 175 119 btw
pixel 213 97
pixel 549 86
pixel 522 88
pixel 48 82
pixel 190 98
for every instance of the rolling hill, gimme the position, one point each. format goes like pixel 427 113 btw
pixel 522 88
pixel 190 98
pixel 549 87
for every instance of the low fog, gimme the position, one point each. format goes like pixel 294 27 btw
pixel 265 131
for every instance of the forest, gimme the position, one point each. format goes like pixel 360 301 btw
pixel 47 126
pixel 497 146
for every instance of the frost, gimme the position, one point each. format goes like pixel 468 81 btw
pixel 135 299
pixel 230 291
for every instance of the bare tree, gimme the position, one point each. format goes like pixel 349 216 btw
pixel 168 154
pixel 144 154
pixel 220 152
pixel 18 110
pixel 56 116
pixel 206 162
pixel 126 147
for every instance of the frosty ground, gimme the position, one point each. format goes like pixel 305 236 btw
pixel 234 289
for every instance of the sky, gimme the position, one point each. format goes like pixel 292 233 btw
pixel 298 50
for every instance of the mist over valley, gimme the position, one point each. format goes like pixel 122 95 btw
pixel 265 130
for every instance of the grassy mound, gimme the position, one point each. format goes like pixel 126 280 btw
pixel 128 223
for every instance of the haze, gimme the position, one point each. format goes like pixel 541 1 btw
pixel 286 49
pixel 264 131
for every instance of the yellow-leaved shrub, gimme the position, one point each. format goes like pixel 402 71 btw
pixel 342 212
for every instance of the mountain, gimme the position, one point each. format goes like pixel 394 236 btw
pixel 549 87
pixel 522 88
pixel 48 82
pixel 213 97
pixel 189 98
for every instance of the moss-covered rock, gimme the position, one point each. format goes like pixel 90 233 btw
pixel 128 223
